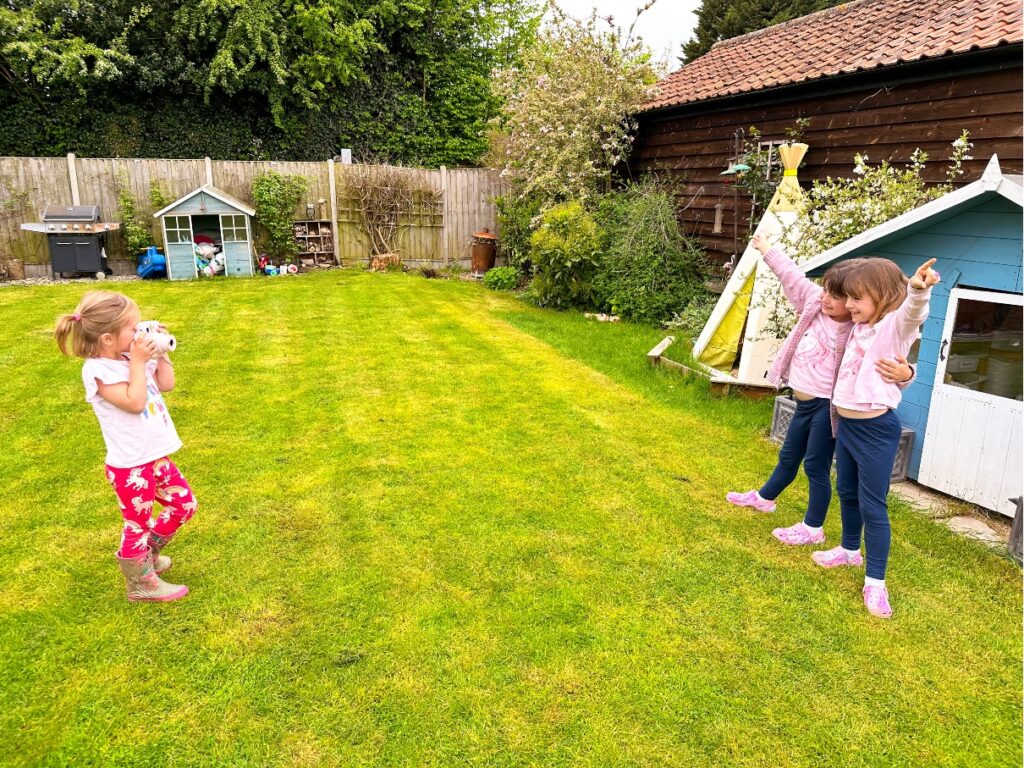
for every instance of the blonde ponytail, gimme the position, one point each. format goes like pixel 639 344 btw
pixel 98 312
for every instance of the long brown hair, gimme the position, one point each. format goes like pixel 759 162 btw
pixel 881 281
pixel 98 312
pixel 834 281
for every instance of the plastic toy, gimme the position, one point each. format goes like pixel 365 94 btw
pixel 164 341
pixel 152 264
pixel 215 267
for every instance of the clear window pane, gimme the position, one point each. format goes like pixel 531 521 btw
pixel 986 352
pixel 233 228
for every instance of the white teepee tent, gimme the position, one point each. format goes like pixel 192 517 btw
pixel 736 326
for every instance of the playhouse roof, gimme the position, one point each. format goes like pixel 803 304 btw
pixel 992 182
pixel 211 190
pixel 852 37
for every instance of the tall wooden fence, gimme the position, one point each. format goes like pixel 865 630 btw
pixel 465 200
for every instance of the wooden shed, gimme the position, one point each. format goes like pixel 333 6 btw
pixel 965 405
pixel 207 214
pixel 875 77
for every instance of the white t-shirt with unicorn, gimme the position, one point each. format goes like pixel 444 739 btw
pixel 132 439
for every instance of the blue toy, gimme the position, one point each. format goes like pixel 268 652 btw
pixel 152 264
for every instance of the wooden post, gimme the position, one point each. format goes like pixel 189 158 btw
pixel 209 170
pixel 444 214
pixel 73 179
pixel 333 190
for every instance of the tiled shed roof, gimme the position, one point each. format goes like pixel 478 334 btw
pixel 861 35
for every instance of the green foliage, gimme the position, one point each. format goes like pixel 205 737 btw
pixel 564 250
pixel 135 228
pixel 567 115
pixel 255 79
pixel 691 321
pixel 276 196
pixel 723 19
pixel 648 269
pixel 158 197
pixel 502 279
pixel 516 216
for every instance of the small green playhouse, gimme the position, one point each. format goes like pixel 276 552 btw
pixel 207 215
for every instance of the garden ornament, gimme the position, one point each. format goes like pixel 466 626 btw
pixel 164 341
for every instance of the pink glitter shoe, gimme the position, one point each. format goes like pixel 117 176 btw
pixel 876 600
pixel 830 558
pixel 798 534
pixel 750 499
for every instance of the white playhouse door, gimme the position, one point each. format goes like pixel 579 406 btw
pixel 972 446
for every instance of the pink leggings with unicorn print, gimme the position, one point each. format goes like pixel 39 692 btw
pixel 137 488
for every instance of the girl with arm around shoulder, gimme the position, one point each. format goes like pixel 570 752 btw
pixel 124 378
pixel 808 362
pixel 887 312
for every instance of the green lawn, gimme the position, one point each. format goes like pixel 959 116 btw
pixel 440 528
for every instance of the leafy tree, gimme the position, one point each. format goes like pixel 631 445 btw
pixel 406 79
pixel 723 19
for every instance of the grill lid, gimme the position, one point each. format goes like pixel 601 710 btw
pixel 60 213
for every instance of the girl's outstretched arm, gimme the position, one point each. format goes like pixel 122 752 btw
pixel 797 287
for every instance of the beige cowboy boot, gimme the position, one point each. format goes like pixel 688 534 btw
pixel 144 584
pixel 157 542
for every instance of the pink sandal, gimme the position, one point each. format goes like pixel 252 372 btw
pixel 831 558
pixel 798 534
pixel 876 600
pixel 750 499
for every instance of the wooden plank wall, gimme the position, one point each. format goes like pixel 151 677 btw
pixel 27 186
pixel 884 122
pixel 235 177
pixel 439 234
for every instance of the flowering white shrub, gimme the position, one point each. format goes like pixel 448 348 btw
pixel 566 119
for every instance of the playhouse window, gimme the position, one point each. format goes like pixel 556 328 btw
pixel 233 228
pixel 986 350
pixel 178 228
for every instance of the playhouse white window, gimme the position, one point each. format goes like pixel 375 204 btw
pixel 178 228
pixel 233 228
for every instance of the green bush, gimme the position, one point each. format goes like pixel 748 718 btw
pixel 648 270
pixel 564 250
pixel 515 222
pixel 134 224
pixel 276 196
pixel 502 278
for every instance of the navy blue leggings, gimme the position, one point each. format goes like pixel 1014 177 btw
pixel 865 452
pixel 809 440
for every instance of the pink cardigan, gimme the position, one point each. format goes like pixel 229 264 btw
pixel 895 334
pixel 805 295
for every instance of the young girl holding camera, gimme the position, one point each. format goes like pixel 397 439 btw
pixel 125 371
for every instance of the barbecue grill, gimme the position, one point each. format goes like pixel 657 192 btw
pixel 76 238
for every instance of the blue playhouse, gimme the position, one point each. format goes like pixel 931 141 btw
pixel 207 215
